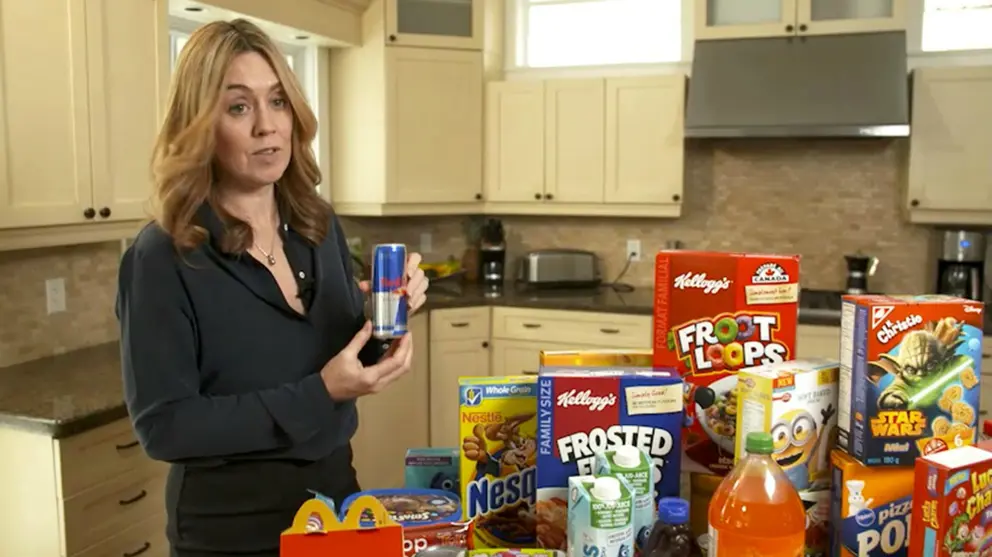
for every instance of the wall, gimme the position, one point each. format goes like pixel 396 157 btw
pixel 821 199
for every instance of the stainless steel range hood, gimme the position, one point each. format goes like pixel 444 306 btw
pixel 816 86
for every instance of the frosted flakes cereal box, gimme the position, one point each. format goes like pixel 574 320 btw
pixel 583 411
pixel 715 313
pixel 909 377
pixel 952 504
pixel 870 508
pixel 498 458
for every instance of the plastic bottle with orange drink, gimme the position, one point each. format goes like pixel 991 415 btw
pixel 756 511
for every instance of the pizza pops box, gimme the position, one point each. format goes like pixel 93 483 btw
pixel 714 314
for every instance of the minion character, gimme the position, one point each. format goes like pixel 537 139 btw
pixel 797 441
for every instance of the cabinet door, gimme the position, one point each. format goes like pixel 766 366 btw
pixel 645 139
pixel 733 19
pixel 434 125
pixel 574 140
pixel 128 77
pixel 435 23
pixel 523 357
pixel 451 359
pixel 394 420
pixel 949 164
pixel 515 141
pixel 831 17
pixel 44 121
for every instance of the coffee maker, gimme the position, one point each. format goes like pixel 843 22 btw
pixel 492 254
pixel 961 264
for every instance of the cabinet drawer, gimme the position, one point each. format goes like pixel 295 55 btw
pixel 102 511
pixel 576 328
pixel 146 539
pixel 90 458
pixel 460 324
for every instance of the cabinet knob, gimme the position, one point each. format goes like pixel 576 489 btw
pixel 676 198
pixel 478 196
pixel 105 212
pixel 537 196
pixel 392 38
pixel 89 213
pixel 789 28
pixel 914 203
pixel 803 27
pixel 485 344
pixel 548 196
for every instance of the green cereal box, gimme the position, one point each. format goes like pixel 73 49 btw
pixel 635 466
pixel 600 516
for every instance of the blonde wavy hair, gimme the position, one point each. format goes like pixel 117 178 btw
pixel 183 164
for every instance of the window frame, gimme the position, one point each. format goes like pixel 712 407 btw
pixel 917 40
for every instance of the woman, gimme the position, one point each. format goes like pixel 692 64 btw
pixel 244 340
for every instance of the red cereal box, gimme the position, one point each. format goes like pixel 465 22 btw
pixel 952 504
pixel 715 313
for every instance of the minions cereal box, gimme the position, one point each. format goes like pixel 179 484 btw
pixel 870 508
pixel 714 314
pixel 952 504
pixel 909 377
pixel 498 458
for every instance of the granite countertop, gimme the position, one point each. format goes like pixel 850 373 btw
pixel 74 392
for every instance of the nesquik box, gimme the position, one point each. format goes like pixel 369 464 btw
pixel 909 376
pixel 714 314
pixel 952 504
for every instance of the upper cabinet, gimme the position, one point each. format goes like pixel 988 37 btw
pixel 734 19
pixel 950 169
pixel 434 23
pixel 79 115
pixel 610 146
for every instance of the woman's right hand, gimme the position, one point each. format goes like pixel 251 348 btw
pixel 346 378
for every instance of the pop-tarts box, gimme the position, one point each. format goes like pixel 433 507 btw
pixel 909 377
pixel 870 508
pixel 583 411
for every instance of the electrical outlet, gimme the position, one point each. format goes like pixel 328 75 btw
pixel 426 239
pixel 55 295
pixel 634 249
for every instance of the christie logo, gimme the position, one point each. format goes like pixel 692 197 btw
pixel 770 273
pixel 587 399
pixel 879 313
pixel 702 282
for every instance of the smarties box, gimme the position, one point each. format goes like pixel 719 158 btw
pixel 583 411
pixel 952 504
pixel 715 313
pixel 909 376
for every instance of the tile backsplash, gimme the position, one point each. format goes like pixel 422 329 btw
pixel 821 199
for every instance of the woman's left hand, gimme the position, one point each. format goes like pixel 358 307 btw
pixel 416 285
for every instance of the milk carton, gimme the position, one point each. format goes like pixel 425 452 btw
pixel 633 465
pixel 600 516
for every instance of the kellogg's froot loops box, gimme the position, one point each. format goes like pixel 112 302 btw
pixel 714 314
pixel 952 504
pixel 498 456
pixel 909 376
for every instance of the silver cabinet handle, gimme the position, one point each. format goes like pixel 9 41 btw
pixel 532 325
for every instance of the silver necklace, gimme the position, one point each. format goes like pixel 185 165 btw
pixel 269 258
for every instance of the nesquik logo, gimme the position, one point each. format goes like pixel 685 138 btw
pixel 702 282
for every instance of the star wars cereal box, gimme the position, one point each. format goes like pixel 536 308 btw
pixel 583 411
pixel 498 456
pixel 715 313
pixel 795 401
pixel 909 377
pixel 870 508
pixel 952 504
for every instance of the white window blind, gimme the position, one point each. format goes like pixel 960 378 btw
pixel 956 25
pixel 560 33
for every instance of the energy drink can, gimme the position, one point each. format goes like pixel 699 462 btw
pixel 389 301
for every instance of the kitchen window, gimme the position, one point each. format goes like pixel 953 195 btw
pixel 560 33
pixel 956 25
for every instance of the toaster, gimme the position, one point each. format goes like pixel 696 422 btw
pixel 559 268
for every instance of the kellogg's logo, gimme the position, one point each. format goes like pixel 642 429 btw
pixel 770 273
pixel 585 398
pixel 702 282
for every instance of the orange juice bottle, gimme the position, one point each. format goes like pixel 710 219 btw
pixel 756 511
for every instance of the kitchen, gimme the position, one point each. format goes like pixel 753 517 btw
pixel 823 198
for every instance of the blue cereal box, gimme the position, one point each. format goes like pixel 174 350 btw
pixel 585 411
pixel 432 468
pixel 909 376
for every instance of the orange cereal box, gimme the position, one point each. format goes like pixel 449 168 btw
pixel 909 376
pixel 714 314
pixel 952 504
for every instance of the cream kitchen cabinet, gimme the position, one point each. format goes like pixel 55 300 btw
pixel 94 494
pixel 406 128
pixel 585 146
pixel 732 19
pixel 456 24
pixel 460 341
pixel 79 110
pixel 817 341
pixel 394 420
pixel 950 176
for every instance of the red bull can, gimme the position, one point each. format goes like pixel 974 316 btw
pixel 389 301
